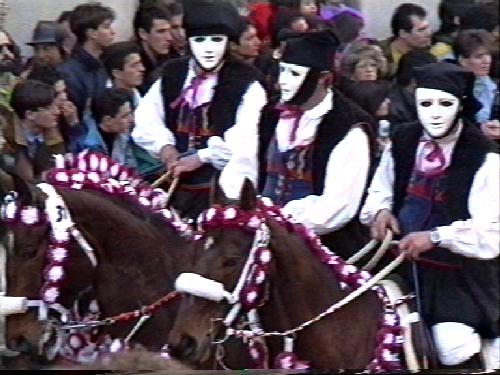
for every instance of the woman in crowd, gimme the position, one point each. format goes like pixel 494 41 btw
pixel 473 51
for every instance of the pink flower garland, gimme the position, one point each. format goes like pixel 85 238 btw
pixel 389 338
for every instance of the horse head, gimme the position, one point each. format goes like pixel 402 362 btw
pixel 225 250
pixel 23 262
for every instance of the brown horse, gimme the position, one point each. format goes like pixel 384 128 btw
pixel 298 288
pixel 138 258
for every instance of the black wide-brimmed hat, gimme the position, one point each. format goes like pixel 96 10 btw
pixel 204 17
pixel 47 32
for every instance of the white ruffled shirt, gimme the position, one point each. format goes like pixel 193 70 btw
pixel 477 237
pixel 345 178
pixel 240 141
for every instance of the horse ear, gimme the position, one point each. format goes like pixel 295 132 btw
pixel 217 195
pixel 25 193
pixel 6 183
pixel 248 196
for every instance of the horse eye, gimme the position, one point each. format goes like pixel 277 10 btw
pixel 231 262
pixel 27 252
pixel 426 103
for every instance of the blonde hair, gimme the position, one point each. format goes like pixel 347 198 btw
pixel 358 51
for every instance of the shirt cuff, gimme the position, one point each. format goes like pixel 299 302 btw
pixel 204 155
pixel 446 235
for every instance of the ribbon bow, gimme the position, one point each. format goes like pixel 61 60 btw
pixel 434 160
pixel 291 112
pixel 196 82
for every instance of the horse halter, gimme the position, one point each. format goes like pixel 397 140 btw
pixel 62 227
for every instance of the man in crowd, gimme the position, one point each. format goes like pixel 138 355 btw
pixel 437 186
pixel 410 31
pixel 35 137
pixel 153 32
pixel 86 77
pixel 47 43
pixel 320 148
pixel 201 115
pixel 125 69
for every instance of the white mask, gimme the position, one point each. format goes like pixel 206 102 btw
pixel 291 79
pixel 208 50
pixel 437 110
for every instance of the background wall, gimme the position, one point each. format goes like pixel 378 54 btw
pixel 378 14
pixel 25 13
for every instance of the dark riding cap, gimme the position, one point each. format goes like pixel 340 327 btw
pixel 203 17
pixel 315 50
pixel 449 78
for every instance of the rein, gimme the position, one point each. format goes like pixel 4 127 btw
pixel 389 338
pixel 83 171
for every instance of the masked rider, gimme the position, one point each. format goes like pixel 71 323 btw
pixel 437 184
pixel 201 116
pixel 316 145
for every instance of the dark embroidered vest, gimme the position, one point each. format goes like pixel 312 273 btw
pixel 289 174
pixel 192 128
pixel 453 288
pixel 468 156
pixel 331 131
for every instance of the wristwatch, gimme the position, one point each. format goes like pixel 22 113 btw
pixel 435 237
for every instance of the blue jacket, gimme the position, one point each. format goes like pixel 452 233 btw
pixel 85 77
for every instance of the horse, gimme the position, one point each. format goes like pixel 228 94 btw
pixel 283 281
pixel 133 261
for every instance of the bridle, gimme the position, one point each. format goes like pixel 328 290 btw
pixel 57 215
pixel 248 295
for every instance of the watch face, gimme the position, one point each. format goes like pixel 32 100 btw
pixel 434 235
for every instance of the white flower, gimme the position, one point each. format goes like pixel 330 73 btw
pixel 265 256
pixel 210 214
pixel 59 254
pixel 62 177
pixel 115 346
pixel 82 165
pixel 266 201
pixel 61 235
pixel 78 177
pixel 10 211
pixel 103 165
pixel 50 295
pixel 261 277
pixel 94 162
pixel 254 222
pixel 94 177
pixel 55 273
pixel 75 342
pixel 30 215
pixel 114 170
pixel 251 296
pixel 230 213
pixel 144 201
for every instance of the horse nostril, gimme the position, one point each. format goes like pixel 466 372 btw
pixel 186 347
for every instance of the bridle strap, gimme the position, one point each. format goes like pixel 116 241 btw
pixel 55 206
